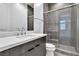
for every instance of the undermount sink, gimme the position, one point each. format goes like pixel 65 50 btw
pixel 25 36
pixel 31 35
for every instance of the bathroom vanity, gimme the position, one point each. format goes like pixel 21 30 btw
pixel 23 46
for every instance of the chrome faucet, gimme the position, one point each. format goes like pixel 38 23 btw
pixel 18 33
pixel 21 31
pixel 24 31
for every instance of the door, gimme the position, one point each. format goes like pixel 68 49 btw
pixel 64 17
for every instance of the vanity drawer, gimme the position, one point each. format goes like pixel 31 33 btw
pixel 37 51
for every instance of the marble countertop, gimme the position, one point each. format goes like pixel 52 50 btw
pixel 9 42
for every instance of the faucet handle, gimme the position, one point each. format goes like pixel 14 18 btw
pixel 17 34
pixel 25 32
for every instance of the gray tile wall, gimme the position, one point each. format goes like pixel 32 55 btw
pixel 53 6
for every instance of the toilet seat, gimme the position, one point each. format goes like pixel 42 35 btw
pixel 50 46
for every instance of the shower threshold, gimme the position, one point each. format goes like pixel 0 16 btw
pixel 69 50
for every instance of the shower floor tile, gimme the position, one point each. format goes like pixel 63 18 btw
pixel 68 48
pixel 59 54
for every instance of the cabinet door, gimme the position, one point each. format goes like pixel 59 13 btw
pixel 37 51
pixel 40 50
pixel 5 53
pixel 16 51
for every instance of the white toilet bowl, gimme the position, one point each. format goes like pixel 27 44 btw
pixel 50 48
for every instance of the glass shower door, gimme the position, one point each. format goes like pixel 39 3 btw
pixel 67 30
pixel 64 27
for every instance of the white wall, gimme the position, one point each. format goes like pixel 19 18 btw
pixel 38 18
pixel 18 16
pixel 4 16
pixel 12 16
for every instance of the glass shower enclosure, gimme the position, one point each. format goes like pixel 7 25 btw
pixel 62 27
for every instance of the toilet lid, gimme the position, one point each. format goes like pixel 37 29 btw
pixel 50 45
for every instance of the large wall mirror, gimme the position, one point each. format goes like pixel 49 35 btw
pixel 13 18
pixel 30 20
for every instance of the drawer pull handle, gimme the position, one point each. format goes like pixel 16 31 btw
pixel 37 45
pixel 30 49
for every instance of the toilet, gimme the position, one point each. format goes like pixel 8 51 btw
pixel 50 48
